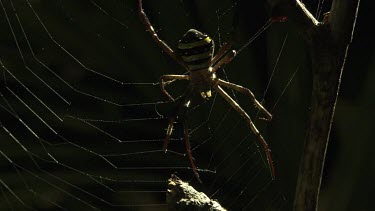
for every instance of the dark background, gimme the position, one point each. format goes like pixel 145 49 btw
pixel 108 38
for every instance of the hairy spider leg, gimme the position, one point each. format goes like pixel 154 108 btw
pixel 188 149
pixel 240 110
pixel 170 79
pixel 181 110
pixel 224 57
pixel 170 129
pixel 169 133
pixel 223 50
pixel 250 94
pixel 155 37
pixel 224 60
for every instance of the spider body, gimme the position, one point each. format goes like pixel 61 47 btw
pixel 195 53
pixel 196 50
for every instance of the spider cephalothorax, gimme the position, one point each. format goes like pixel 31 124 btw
pixel 196 54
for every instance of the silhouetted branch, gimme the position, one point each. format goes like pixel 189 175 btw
pixel 328 43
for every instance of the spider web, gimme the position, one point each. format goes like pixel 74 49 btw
pixel 83 119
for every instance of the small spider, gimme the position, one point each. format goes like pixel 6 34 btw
pixel 196 54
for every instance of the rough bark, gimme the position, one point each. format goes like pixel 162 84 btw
pixel 182 196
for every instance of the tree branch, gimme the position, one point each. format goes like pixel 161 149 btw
pixel 328 43
pixel 342 20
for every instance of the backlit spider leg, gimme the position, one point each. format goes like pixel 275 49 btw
pixel 181 110
pixel 221 52
pixel 188 149
pixel 169 79
pixel 247 92
pixel 155 36
pixel 238 108
pixel 168 134
pixel 224 60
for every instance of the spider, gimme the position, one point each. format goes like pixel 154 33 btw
pixel 195 53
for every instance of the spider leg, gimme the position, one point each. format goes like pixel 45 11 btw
pixel 249 93
pixel 169 133
pixel 223 60
pixel 238 108
pixel 188 149
pixel 221 52
pixel 169 79
pixel 181 108
pixel 155 37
